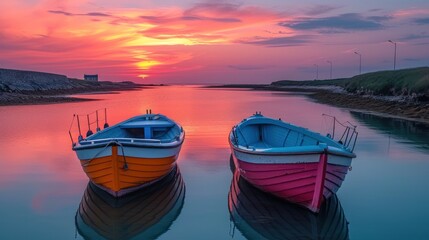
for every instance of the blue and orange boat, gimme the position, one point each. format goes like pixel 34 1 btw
pixel 131 154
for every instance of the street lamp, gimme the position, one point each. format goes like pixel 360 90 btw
pixel 331 68
pixel 317 71
pixel 360 62
pixel 394 56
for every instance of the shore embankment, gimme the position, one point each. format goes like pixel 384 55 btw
pixel 19 87
pixel 411 110
pixel 401 94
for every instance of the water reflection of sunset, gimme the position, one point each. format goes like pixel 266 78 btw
pixel 43 146
pixel 33 142
pixel 42 181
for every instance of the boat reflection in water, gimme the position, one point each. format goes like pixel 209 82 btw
pixel 144 214
pixel 259 215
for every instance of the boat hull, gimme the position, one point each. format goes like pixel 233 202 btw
pixel 302 179
pixel 120 170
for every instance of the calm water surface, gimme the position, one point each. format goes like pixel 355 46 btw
pixel 42 184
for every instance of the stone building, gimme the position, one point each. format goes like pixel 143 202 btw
pixel 93 77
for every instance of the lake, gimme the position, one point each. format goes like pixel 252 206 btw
pixel 42 184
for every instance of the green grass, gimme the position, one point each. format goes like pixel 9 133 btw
pixel 413 80
pixel 337 82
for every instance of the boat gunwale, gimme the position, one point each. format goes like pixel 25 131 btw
pixel 326 144
pixel 286 125
pixel 92 142
pixel 330 151
pixel 115 142
pixel 165 118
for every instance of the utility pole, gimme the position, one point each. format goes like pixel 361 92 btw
pixel 317 71
pixel 331 69
pixel 394 55
pixel 360 62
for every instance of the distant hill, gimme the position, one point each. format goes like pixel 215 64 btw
pixel 27 82
pixel 29 87
pixel 387 83
pixel 17 80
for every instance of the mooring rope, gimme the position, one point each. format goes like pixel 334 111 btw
pixel 125 167
pixel 87 162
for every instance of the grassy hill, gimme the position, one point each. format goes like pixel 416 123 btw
pixel 388 83
pixel 311 83
pixel 406 81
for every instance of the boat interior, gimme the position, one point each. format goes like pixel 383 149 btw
pixel 271 136
pixel 144 128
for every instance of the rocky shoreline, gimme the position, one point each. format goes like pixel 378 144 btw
pixel 18 87
pixel 394 106
pixel 62 95
pixel 415 111
pixel 25 87
pixel 7 99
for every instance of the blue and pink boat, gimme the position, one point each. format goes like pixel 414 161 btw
pixel 291 162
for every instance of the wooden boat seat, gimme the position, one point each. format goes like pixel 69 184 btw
pixel 149 126
pixel 259 145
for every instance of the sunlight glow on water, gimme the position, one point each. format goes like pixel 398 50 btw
pixel 42 183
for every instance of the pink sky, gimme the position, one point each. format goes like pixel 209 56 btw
pixel 211 41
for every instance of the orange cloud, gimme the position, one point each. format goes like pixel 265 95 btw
pixel 65 37
pixel 77 37
pixel 211 22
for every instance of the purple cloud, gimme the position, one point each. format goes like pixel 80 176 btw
pixel 61 12
pixel 281 41
pixel 320 9
pixel 411 37
pixel 156 19
pixel 97 14
pixel 92 14
pixel 422 21
pixel 249 67
pixel 213 7
pixel 380 18
pixel 348 21
pixel 200 18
